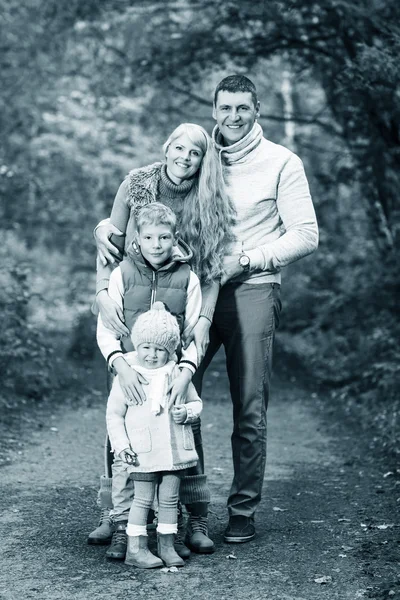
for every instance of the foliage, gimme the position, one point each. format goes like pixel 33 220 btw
pixel 92 89
pixel 24 354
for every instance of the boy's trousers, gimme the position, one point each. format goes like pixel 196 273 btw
pixel 245 319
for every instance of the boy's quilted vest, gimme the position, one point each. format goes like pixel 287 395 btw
pixel 143 286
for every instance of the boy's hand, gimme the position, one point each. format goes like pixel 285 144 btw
pixel 131 382
pixel 108 253
pixel 128 456
pixel 179 414
pixel 179 387
pixel 112 314
pixel 200 335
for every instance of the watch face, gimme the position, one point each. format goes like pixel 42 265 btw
pixel 244 260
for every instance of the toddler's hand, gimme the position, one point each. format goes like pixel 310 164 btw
pixel 128 456
pixel 179 413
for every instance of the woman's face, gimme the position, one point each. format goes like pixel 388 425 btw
pixel 183 159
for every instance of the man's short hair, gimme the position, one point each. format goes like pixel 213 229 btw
pixel 236 83
pixel 156 213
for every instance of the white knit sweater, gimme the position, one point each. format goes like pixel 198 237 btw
pixel 276 223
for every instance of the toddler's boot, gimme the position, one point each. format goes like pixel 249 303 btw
pixel 179 545
pixel 166 550
pixel 139 555
pixel 103 533
pixel 117 550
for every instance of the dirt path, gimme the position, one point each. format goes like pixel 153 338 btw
pixel 328 514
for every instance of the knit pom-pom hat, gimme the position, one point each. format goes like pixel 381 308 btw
pixel 157 326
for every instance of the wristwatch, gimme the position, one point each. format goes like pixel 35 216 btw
pixel 244 261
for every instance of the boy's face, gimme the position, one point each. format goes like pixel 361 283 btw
pixel 156 243
pixel 152 355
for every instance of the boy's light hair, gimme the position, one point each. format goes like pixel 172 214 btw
pixel 156 213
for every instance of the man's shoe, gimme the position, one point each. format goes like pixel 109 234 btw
pixel 119 542
pixel 197 535
pixel 103 533
pixel 240 529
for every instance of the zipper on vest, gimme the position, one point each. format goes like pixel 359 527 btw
pixel 153 289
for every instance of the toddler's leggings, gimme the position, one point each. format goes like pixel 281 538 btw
pixel 168 492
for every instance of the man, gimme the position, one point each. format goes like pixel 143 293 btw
pixel 275 226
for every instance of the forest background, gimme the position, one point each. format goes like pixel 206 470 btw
pixel 92 89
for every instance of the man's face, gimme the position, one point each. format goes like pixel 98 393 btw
pixel 156 243
pixel 235 114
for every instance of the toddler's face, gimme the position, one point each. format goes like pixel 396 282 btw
pixel 152 356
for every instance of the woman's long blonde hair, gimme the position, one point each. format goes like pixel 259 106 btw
pixel 208 212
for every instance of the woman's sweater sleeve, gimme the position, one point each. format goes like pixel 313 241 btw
pixel 209 293
pixel 120 215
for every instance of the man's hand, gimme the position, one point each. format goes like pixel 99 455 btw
pixel 128 456
pixel 131 382
pixel 107 252
pixel 112 314
pixel 179 414
pixel 201 337
pixel 179 387
pixel 232 268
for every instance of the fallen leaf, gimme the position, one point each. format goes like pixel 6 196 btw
pixel 384 526
pixel 388 474
pixel 169 570
pixel 323 579
pixel 391 593
pixel 232 556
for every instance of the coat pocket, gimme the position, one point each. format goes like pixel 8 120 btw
pixel 188 439
pixel 140 440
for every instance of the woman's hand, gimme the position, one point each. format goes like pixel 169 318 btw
pixel 128 456
pixel 131 382
pixel 232 268
pixel 200 335
pixel 179 414
pixel 108 253
pixel 179 387
pixel 112 314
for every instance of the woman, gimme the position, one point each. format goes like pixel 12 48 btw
pixel 190 182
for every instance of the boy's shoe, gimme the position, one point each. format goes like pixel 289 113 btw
pixel 103 533
pixel 119 542
pixel 240 529
pixel 151 520
pixel 179 545
pixel 197 535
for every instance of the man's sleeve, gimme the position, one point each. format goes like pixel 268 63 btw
pixel 298 217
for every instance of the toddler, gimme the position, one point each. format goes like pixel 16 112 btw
pixel 153 440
